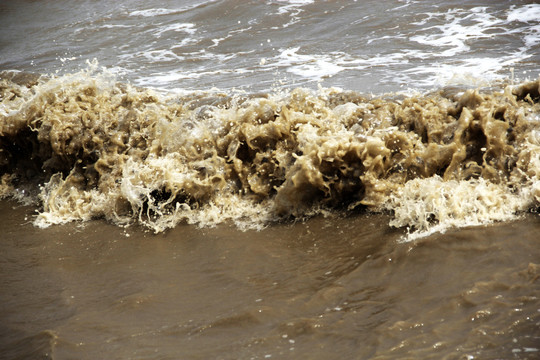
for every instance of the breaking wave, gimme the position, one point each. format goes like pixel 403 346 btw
pixel 85 146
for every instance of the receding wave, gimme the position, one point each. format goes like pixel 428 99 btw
pixel 85 146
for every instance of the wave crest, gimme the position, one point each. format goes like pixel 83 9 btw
pixel 100 148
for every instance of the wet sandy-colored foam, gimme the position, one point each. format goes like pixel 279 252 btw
pixel 90 147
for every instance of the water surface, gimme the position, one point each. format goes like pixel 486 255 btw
pixel 269 179
pixel 338 287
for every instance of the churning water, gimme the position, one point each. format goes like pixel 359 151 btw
pixel 270 179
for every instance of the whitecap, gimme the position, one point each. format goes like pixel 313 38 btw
pixel 526 13
pixel 455 33
pixel 309 66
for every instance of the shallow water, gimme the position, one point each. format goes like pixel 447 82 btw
pixel 337 287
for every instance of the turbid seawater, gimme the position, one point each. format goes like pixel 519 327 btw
pixel 269 179
pixel 336 287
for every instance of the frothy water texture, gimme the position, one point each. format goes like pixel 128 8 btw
pixel 366 46
pixel 98 148
pixel 149 138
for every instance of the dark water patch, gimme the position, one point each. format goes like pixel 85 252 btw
pixel 39 346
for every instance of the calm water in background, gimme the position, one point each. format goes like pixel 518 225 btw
pixel 336 287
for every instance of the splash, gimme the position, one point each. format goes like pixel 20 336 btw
pixel 90 147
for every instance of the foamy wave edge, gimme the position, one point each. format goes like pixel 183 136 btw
pixel 91 147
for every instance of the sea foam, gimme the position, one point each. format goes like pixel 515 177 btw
pixel 91 147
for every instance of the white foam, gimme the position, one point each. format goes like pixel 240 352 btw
pixel 187 28
pixel 152 12
pixel 406 4
pixel 320 66
pixel 532 36
pixel 432 205
pixel 293 5
pixel 171 77
pixel 163 11
pixel 455 33
pixel 525 13
pixel 309 66
pixel 115 26
pixel 161 55
pixel 293 8
pixel 476 71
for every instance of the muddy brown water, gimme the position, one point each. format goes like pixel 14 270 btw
pixel 207 112
pixel 337 287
